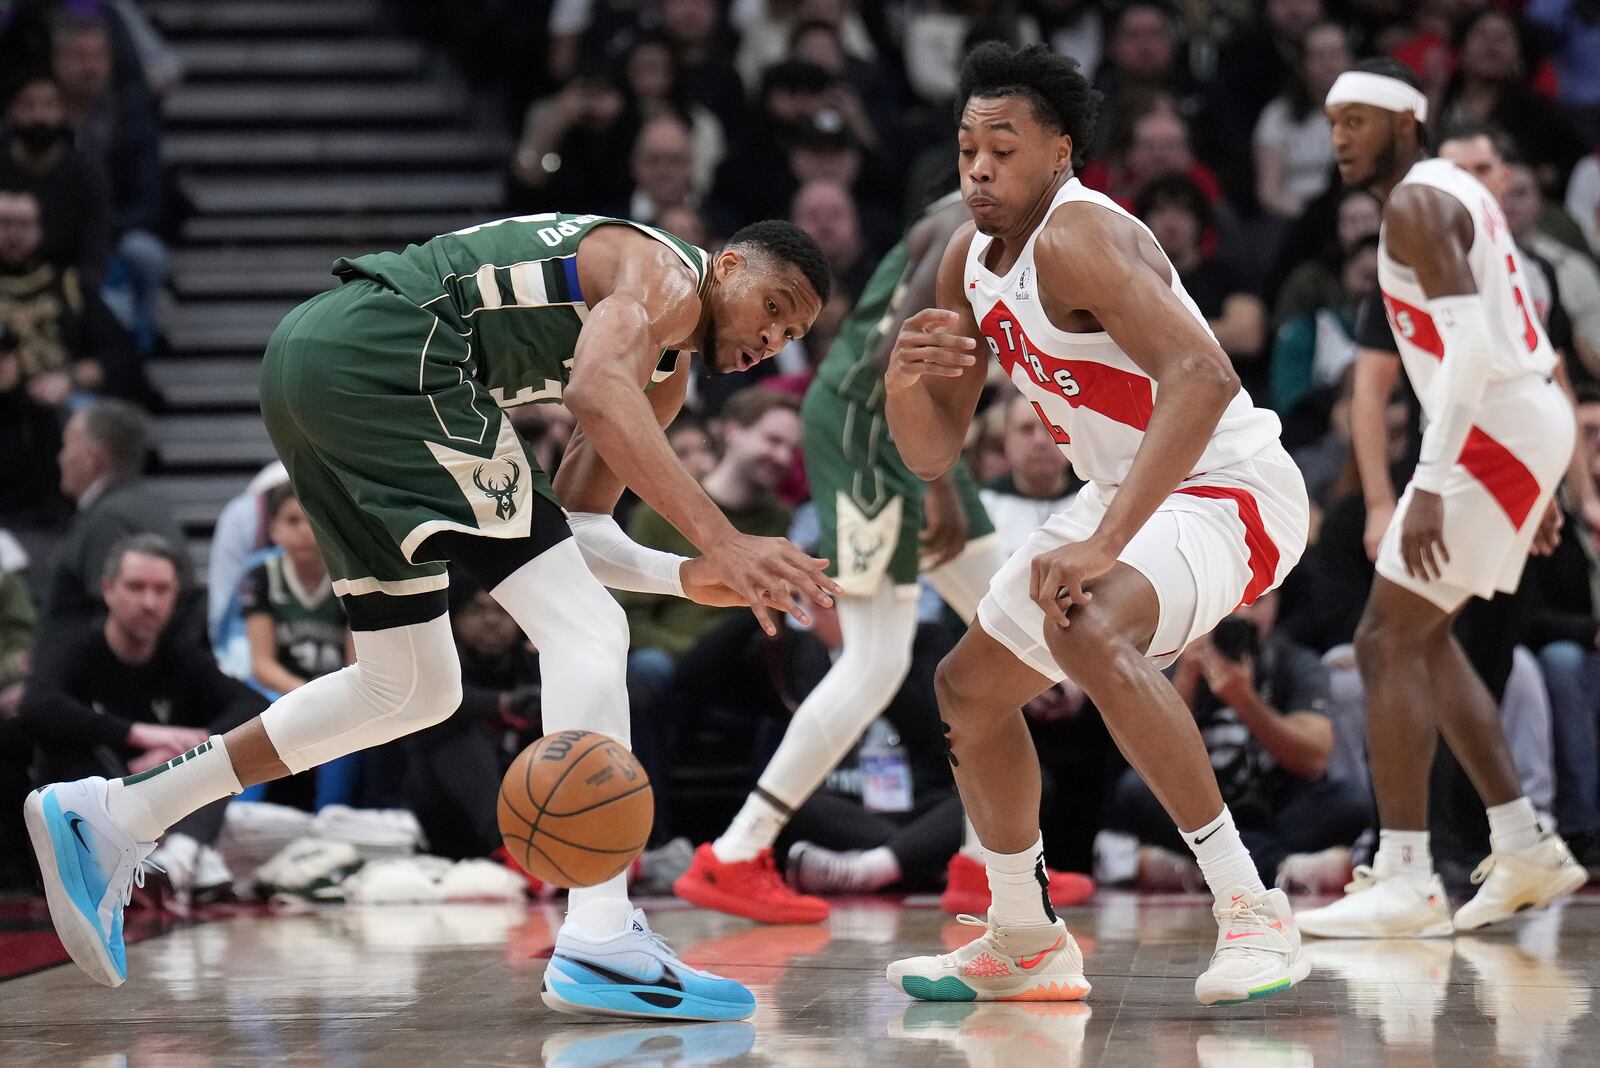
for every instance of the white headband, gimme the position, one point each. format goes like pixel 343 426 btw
pixel 1379 90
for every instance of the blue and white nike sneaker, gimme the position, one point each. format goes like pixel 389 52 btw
pixel 636 974
pixel 90 866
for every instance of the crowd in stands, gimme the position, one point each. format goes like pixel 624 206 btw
pixel 699 116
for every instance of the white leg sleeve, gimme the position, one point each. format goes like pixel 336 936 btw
pixel 404 679
pixel 963 581
pixel 582 637
pixel 878 632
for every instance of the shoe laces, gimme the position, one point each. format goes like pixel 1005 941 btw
pixel 141 864
pixel 1244 915
pixel 1481 872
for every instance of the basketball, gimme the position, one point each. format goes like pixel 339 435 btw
pixel 575 808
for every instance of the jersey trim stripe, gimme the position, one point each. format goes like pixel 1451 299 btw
pixel 1414 325
pixel 1507 478
pixel 1263 551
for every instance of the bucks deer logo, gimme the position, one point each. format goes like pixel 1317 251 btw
pixel 504 492
pixel 863 549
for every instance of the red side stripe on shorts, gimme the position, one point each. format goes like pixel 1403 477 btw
pixel 1507 478
pixel 1263 552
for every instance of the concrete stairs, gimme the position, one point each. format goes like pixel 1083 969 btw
pixel 303 131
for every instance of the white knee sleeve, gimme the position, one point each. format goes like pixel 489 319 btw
pixel 404 679
pixel 582 637
pixel 963 581
pixel 878 632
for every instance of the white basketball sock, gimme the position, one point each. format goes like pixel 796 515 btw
pixel 755 828
pixel 1405 855
pixel 1018 887
pixel 1513 826
pixel 877 632
pixel 148 803
pixel 1223 859
pixel 600 912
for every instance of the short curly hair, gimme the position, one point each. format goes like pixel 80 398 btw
pixel 1061 96
pixel 792 245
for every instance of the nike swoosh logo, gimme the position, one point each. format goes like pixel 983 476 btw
pixel 73 823
pixel 1202 839
pixel 1033 961
pixel 1233 936
pixel 666 981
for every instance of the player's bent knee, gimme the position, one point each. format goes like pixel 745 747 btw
pixel 1091 652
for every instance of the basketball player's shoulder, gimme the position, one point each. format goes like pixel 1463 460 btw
pixel 624 261
pixel 1419 214
pixel 1082 243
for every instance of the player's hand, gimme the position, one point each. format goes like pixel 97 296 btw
pixel 156 736
pixel 944 524
pixel 772 573
pixel 927 346
pixel 702 585
pixel 1422 536
pixel 1549 534
pixel 1378 520
pixel 1058 577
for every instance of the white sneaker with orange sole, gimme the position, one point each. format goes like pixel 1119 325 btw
pixel 1002 964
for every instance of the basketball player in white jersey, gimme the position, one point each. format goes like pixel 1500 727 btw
pixel 1498 440
pixel 1192 508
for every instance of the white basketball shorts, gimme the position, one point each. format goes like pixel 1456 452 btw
pixel 1495 497
pixel 1221 540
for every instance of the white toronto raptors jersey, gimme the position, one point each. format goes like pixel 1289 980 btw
pixel 1517 340
pixel 1095 401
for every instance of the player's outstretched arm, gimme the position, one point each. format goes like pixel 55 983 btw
pixel 649 303
pixel 1430 232
pixel 935 372
pixel 589 491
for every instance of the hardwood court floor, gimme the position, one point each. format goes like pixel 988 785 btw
pixel 458 986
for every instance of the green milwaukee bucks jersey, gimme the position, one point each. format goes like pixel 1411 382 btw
pixel 309 625
pixel 511 289
pixel 849 369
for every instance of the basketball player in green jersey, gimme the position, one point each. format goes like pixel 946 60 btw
pixel 384 398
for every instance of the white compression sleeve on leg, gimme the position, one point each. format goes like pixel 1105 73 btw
pixel 620 562
pixel 404 679
pixel 582 638
pixel 963 581
pixel 1457 389
pixel 878 632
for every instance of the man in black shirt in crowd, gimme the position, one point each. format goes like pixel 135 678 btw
pixel 1261 702
pixel 125 695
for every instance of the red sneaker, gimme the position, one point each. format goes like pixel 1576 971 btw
pixel 749 888
pixel 966 887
